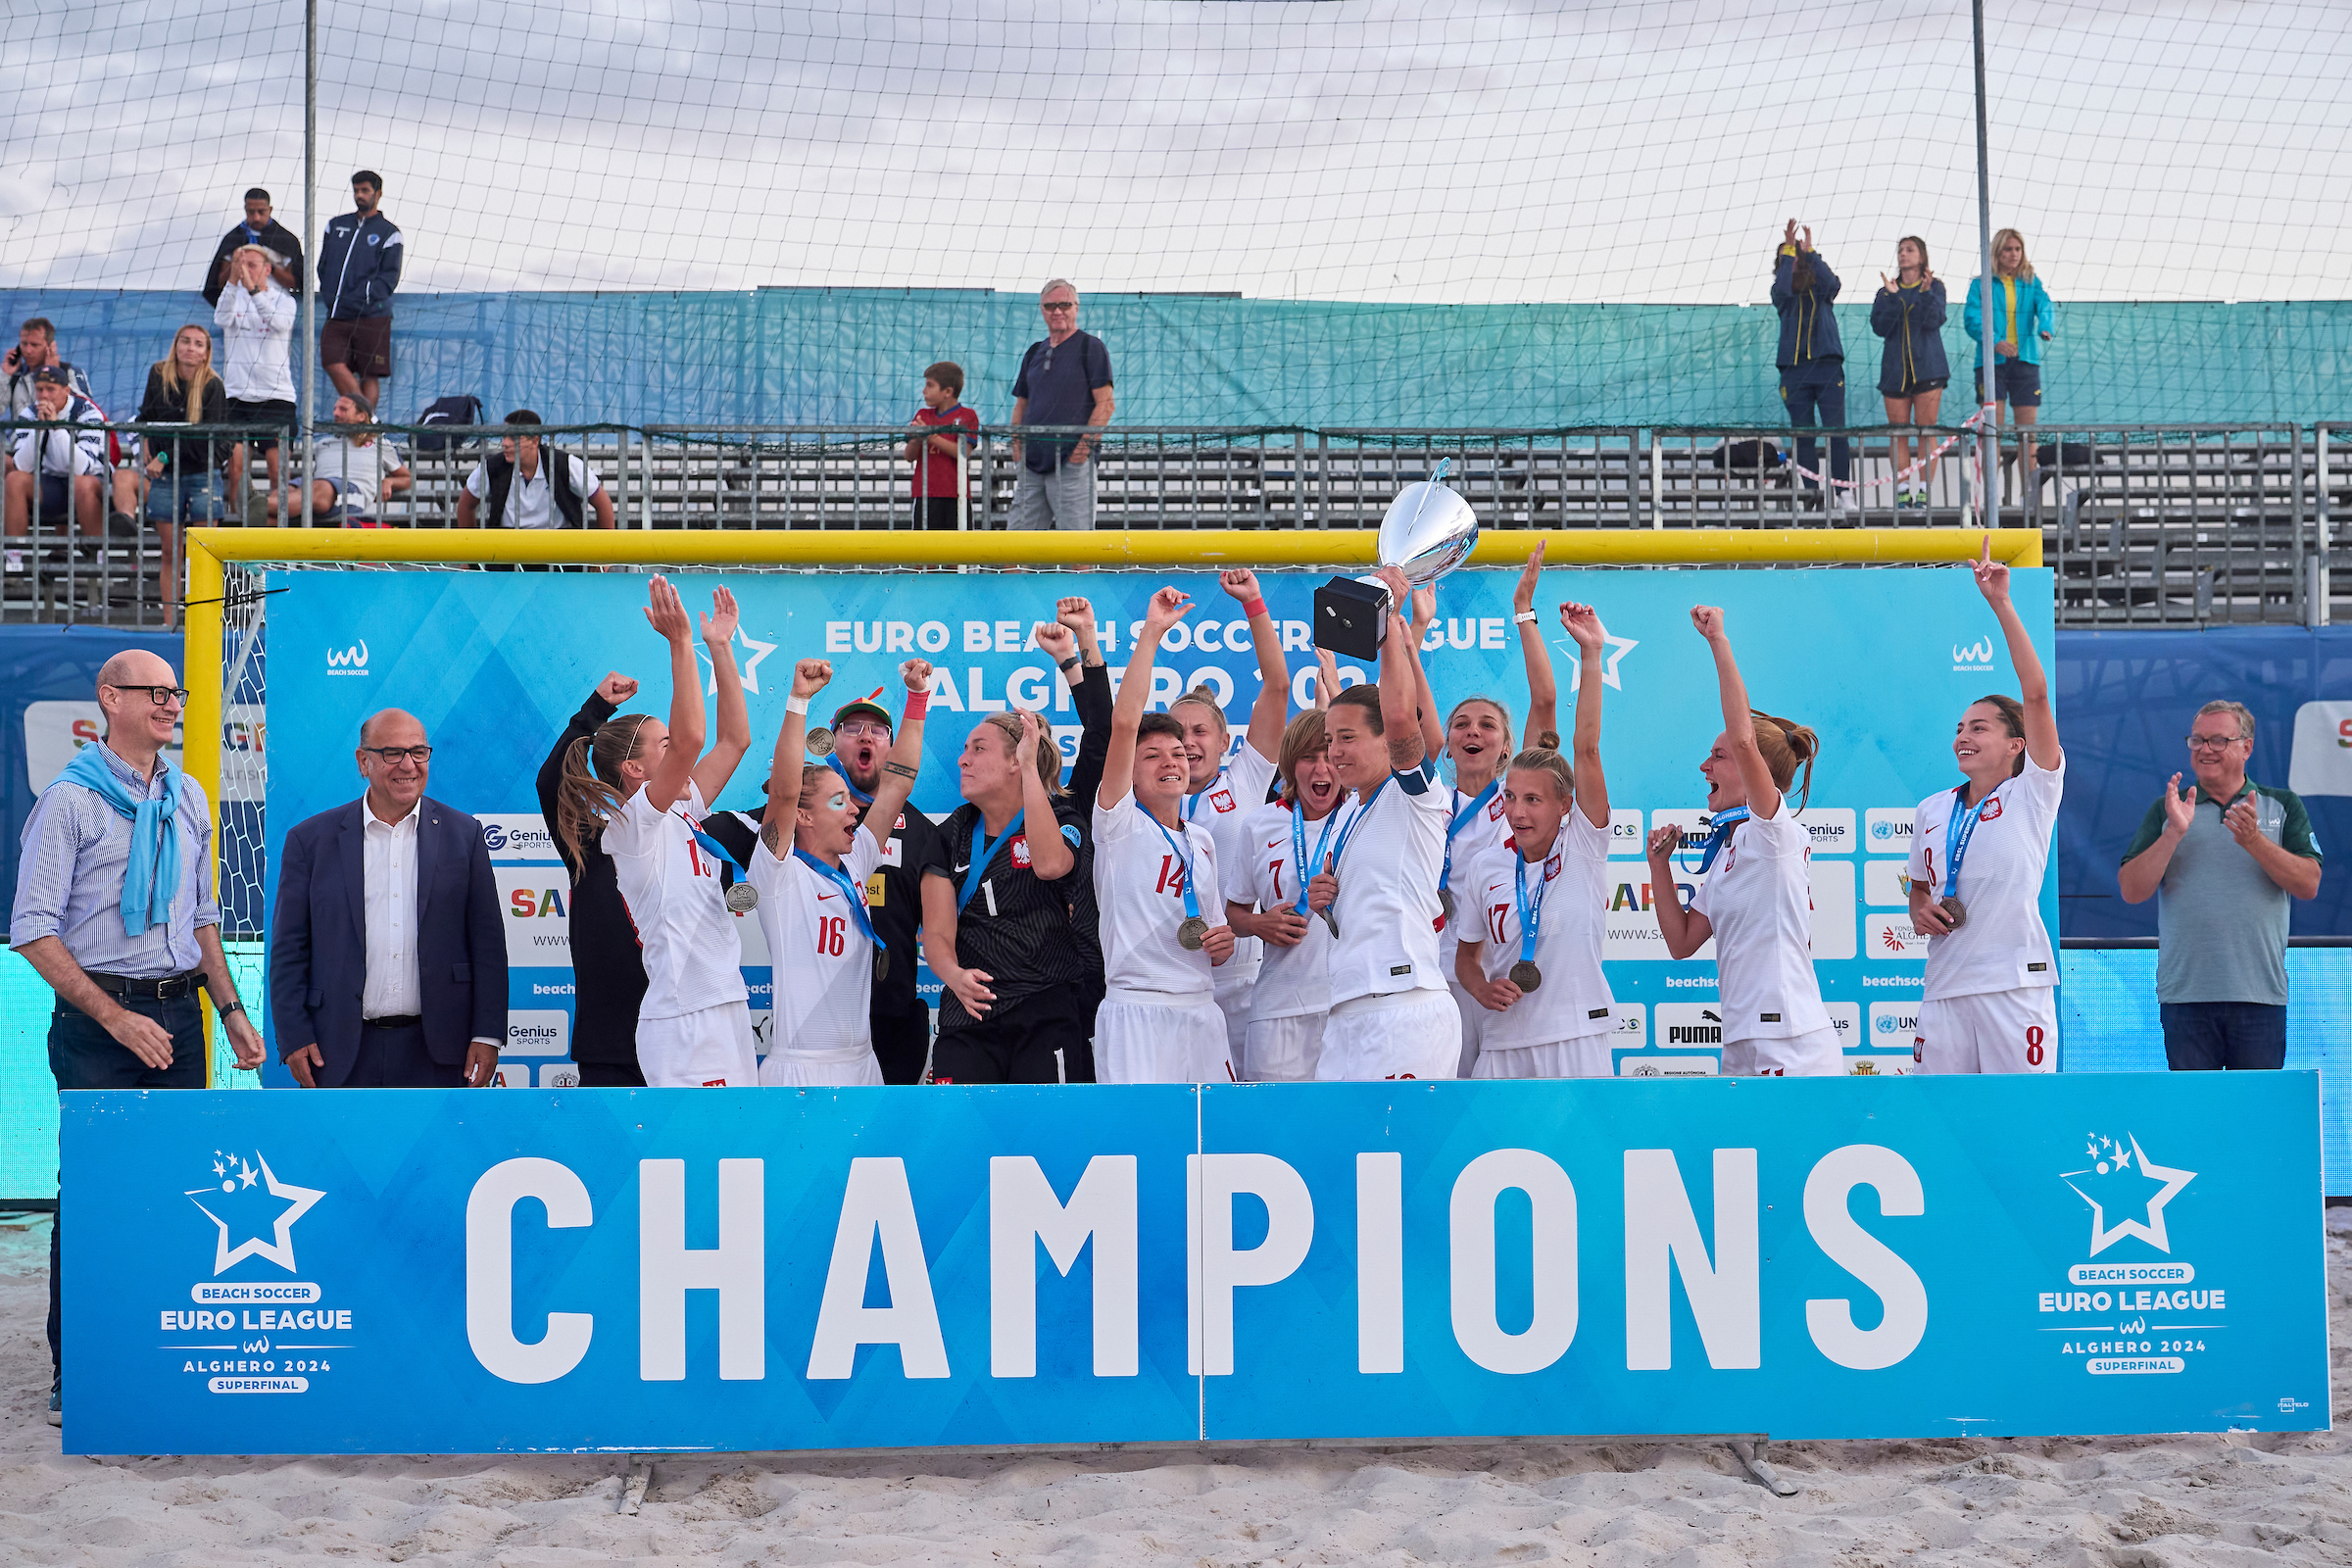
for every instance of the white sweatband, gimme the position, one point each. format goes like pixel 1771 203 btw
pixel 797 705
pixel 1525 617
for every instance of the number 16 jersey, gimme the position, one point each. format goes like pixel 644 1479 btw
pixel 824 966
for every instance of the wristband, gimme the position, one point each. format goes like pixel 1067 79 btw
pixel 234 1007
pixel 1255 607
pixel 917 704
pixel 797 705
pixel 1525 617
pixel 1065 665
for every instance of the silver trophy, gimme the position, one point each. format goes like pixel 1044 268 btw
pixel 1429 530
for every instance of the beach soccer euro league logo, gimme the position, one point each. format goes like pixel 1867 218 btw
pixel 2126 1192
pixel 253 1210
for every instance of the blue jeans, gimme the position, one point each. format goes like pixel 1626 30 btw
pixel 1815 396
pixel 185 498
pixel 2211 1036
pixel 83 1056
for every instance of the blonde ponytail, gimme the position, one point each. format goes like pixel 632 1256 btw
pixel 1784 743
pixel 589 791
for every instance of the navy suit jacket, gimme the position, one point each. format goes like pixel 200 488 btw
pixel 319 937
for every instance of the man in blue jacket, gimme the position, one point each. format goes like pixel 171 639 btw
pixel 387 952
pixel 359 268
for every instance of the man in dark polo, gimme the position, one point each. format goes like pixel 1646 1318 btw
pixel 2227 855
pixel 1065 380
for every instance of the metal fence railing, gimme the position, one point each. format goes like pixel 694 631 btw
pixel 2174 526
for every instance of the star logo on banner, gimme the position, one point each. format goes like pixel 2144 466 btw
pixel 1614 650
pixel 235 1201
pixel 750 667
pixel 2122 1179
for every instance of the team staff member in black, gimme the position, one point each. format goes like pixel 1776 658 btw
pixel 1069 640
pixel 998 927
pixel 607 970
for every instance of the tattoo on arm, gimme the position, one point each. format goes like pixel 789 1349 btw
pixel 900 769
pixel 771 834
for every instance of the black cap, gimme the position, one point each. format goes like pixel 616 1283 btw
pixel 52 375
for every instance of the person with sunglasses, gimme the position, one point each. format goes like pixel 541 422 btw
pixel 1064 380
pixel 115 909
pixel 413 996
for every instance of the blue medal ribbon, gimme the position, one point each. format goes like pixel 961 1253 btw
pixel 833 762
pixel 1455 825
pixel 1305 868
pixel 1719 834
pixel 1192 802
pixel 1958 829
pixel 1191 900
pixel 1340 850
pixel 983 851
pixel 849 889
pixel 1531 912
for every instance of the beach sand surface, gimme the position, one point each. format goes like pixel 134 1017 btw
pixel 2133 1503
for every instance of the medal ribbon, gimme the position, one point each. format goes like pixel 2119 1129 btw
pixel 1719 834
pixel 1191 900
pixel 718 850
pixel 833 762
pixel 1339 850
pixel 1455 825
pixel 1958 829
pixel 1530 915
pixel 1305 868
pixel 849 889
pixel 982 853
pixel 1192 802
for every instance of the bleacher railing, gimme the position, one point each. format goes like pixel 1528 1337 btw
pixel 2173 525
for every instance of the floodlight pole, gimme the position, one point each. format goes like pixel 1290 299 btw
pixel 310 240
pixel 1989 398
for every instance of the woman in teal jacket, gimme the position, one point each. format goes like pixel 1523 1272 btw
pixel 2023 322
pixel 1908 314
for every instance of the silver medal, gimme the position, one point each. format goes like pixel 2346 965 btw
pixel 742 898
pixel 1192 934
pixel 1446 903
pixel 881 963
pixel 1953 910
pixel 1526 976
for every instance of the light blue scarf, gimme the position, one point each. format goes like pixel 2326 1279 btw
pixel 152 877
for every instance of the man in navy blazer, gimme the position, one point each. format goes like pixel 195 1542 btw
pixel 387 955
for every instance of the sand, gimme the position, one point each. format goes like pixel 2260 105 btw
pixel 2130 1502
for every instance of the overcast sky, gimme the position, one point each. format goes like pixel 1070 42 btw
pixel 1448 150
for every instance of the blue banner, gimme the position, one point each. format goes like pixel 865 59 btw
pixel 408 1271
pixel 1880 664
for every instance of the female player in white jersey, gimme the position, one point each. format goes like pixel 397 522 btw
pixel 1156 891
pixel 1535 918
pixel 1478 742
pixel 1978 854
pixel 1390 1016
pixel 811 867
pixel 1756 899
pixel 647 788
pixel 1219 795
pixel 1266 898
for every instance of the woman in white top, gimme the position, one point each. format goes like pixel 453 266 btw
pixel 1266 895
pixel 1478 742
pixel 1755 894
pixel 1532 940
pixel 646 787
pixel 1977 854
pixel 813 885
pixel 1390 1016
pixel 1156 888
pixel 1219 795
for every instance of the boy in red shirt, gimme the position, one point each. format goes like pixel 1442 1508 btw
pixel 939 459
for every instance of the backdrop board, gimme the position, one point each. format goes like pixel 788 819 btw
pixel 1881 662
pixel 425 1270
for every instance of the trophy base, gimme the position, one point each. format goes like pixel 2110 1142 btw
pixel 1351 616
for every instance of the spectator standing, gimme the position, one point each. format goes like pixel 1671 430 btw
pixel 181 477
pixel 359 269
pixel 2024 320
pixel 415 995
pixel 115 909
pixel 608 966
pixel 1064 380
pixel 939 477
pixel 256 317
pixel 528 486
pixel 36 350
pixel 263 232
pixel 1812 356
pixel 1908 314
pixel 2225 878
pixel 352 470
pixel 63 469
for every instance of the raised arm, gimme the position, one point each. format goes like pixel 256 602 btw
pixel 809 677
pixel 1739 720
pixel 668 613
pixel 905 758
pixel 2034 686
pixel 1272 709
pixel 1327 679
pixel 1685 931
pixel 602 704
pixel 1542 690
pixel 1167 608
pixel 1072 635
pixel 1403 688
pixel 1592 642
pixel 734 737
pixel 1051 857
pixel 1425 701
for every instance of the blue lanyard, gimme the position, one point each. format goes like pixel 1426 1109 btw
pixel 1191 900
pixel 1455 825
pixel 849 889
pixel 1340 851
pixel 1958 829
pixel 1719 834
pixel 1192 802
pixel 982 853
pixel 1530 915
pixel 1305 867
pixel 833 762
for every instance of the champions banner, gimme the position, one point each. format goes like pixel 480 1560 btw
pixel 456 1271
pixel 1881 663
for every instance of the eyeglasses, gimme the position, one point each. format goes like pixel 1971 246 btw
pixel 861 726
pixel 2212 743
pixel 160 696
pixel 392 754
pixel 1059 306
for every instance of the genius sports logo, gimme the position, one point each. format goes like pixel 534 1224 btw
pixel 234 1335
pixel 2136 1316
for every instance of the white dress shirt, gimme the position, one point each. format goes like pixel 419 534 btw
pixel 393 989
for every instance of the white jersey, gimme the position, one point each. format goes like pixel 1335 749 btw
pixel 1295 981
pixel 693 958
pixel 1759 899
pixel 1574 999
pixel 824 968
pixel 1139 896
pixel 1224 809
pixel 1483 839
pixel 2003 945
pixel 1388 902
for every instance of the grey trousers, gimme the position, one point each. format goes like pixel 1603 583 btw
pixel 1064 498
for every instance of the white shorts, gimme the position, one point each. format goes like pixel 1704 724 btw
pixel 1235 1005
pixel 1283 1051
pixel 1473 1017
pixel 1812 1054
pixel 1406 1034
pixel 1586 1057
pixel 1147 1037
pixel 853 1068
pixel 710 1048
pixel 1992 1031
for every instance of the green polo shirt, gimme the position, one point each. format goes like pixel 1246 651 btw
pixel 2221 921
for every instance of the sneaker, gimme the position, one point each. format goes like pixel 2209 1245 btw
pixel 1849 509
pixel 57 1404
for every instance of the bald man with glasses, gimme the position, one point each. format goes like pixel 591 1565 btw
pixel 387 954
